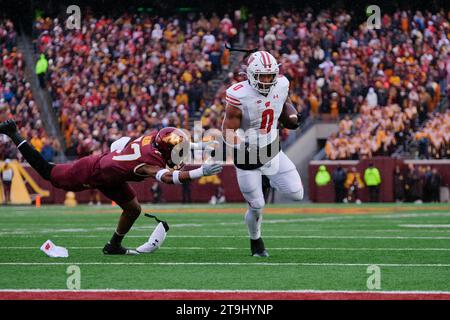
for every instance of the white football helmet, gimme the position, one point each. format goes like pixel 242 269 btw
pixel 261 63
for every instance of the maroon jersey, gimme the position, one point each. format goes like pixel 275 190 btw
pixel 109 169
pixel 121 166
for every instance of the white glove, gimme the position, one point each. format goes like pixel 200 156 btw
pixel 208 145
pixel 211 169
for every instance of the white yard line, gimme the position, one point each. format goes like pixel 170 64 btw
pixel 242 248
pixel 20 231
pixel 245 236
pixel 424 226
pixel 285 264
pixel 223 291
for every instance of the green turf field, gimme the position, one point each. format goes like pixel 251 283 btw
pixel 312 247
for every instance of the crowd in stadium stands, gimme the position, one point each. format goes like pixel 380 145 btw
pixel 376 131
pixel 393 78
pixel 131 74
pixel 16 99
pixel 125 76
pixel 433 139
pixel 337 68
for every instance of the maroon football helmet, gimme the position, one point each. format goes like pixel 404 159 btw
pixel 174 146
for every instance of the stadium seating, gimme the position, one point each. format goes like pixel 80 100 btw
pixel 337 68
pixel 125 76
pixel 16 98
pixel 433 138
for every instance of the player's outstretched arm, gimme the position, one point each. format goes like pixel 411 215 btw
pixel 177 176
pixel 290 117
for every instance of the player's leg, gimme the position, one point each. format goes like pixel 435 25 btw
pixel 250 186
pixel 125 197
pixel 33 157
pixel 287 179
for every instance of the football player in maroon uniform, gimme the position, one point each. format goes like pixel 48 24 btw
pixel 129 160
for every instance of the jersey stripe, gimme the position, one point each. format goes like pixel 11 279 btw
pixel 230 96
pixel 233 99
pixel 232 103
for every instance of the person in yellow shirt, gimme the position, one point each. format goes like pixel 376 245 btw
pixel 37 142
pixel 186 77
pixel 353 183
pixel 334 106
pixel 314 103
pixel 182 98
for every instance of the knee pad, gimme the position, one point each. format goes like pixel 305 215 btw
pixel 257 204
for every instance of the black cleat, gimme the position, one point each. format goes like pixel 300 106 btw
pixel 118 250
pixel 8 127
pixel 258 249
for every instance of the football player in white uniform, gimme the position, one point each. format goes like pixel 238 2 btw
pixel 250 126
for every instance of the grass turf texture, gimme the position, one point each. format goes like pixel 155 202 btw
pixel 206 249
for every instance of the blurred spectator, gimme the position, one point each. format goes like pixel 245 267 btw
pixel 7 176
pixel 353 184
pixel 156 192
pixel 413 185
pixel 399 184
pixel 426 196
pixel 219 196
pixel 322 176
pixel 435 184
pixel 339 178
pixel 94 196
pixel 372 180
pixel 48 152
pixel 186 193
pixel 41 69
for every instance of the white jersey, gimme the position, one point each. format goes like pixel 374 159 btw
pixel 259 113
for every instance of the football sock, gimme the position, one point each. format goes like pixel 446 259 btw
pixel 33 157
pixel 117 238
pixel 253 218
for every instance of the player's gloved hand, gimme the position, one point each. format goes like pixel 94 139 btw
pixel 211 169
pixel 208 145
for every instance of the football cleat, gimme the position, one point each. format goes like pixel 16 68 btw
pixel 118 250
pixel 8 127
pixel 258 249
